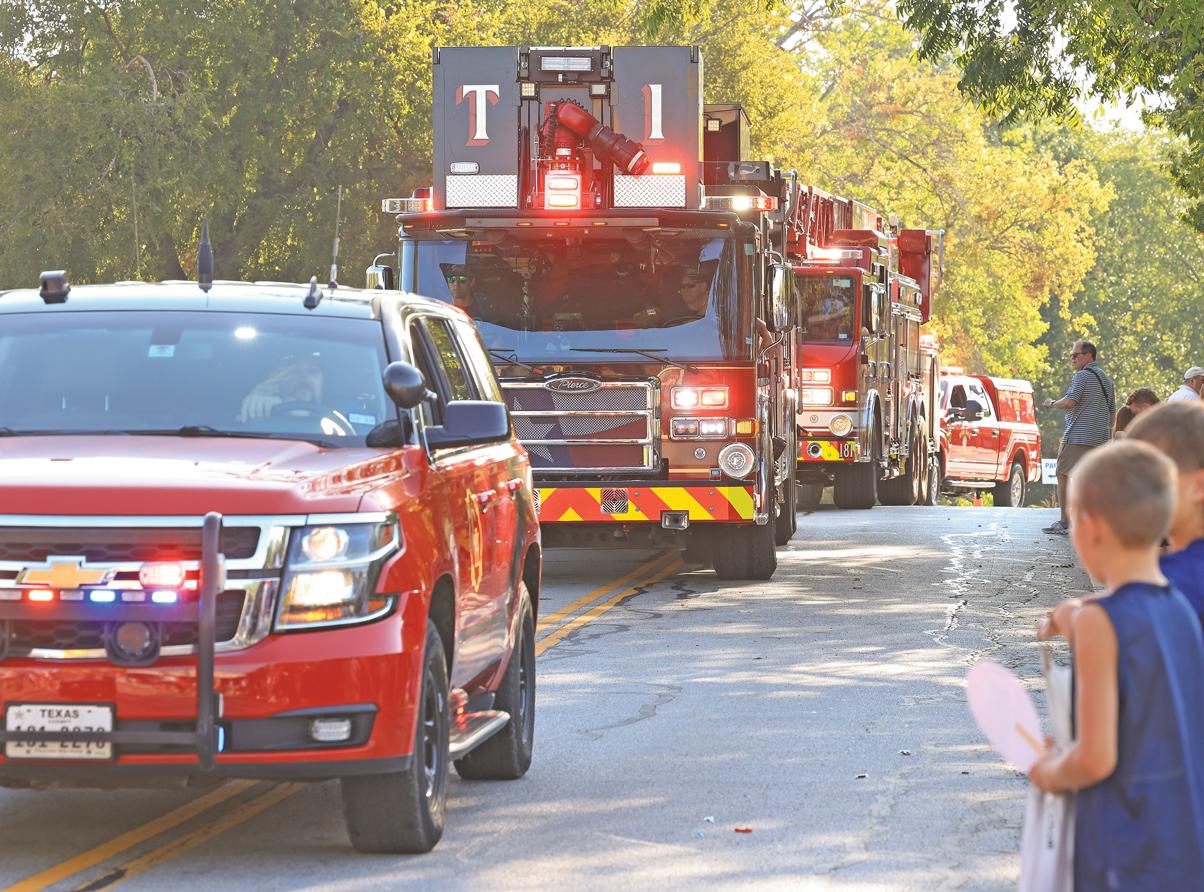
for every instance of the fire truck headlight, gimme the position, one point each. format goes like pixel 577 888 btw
pixel 699 398
pixel 816 376
pixel 700 428
pixel 841 425
pixel 331 574
pixel 737 460
pixel 816 396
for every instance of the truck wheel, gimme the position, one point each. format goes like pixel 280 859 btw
pixel 746 553
pixel 810 495
pixel 507 754
pixel 932 486
pixel 905 489
pixel 1011 493
pixel 856 485
pixel 403 812
pixel 786 522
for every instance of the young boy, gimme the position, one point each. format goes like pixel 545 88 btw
pixel 1137 762
pixel 1177 431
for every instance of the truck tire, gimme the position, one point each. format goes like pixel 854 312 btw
pixel 786 522
pixel 507 754
pixel 810 495
pixel 403 812
pixel 934 482
pixel 906 489
pixel 856 486
pixel 746 552
pixel 1010 494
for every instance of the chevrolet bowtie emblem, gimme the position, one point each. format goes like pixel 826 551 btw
pixel 63 572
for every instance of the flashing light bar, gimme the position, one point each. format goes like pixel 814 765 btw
pixel 566 63
pixel 740 203
pixel 40 594
pixel 834 255
pixel 527 90
pixel 102 596
pixel 463 167
pixel 406 205
pixel 665 167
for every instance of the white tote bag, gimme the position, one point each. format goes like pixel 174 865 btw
pixel 1047 843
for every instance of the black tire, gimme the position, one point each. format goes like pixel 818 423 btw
pixel 507 754
pixel 1011 493
pixel 856 485
pixel 403 812
pixel 810 495
pixel 785 524
pixel 746 553
pixel 936 479
pixel 906 489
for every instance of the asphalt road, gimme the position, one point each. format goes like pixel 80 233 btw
pixel 823 713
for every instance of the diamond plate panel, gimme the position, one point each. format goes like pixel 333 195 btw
pixel 653 191
pixel 483 191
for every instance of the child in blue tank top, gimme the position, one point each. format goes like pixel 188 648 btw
pixel 1177 431
pixel 1137 762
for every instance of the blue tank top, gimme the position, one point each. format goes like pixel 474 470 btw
pixel 1143 827
pixel 1185 570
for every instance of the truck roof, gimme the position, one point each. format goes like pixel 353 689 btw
pixel 230 297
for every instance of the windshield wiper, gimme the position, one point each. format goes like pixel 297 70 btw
pixel 204 430
pixel 512 358
pixel 652 353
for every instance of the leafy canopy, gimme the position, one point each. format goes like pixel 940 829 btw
pixel 1039 57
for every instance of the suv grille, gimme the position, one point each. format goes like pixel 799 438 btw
pixel 610 429
pixel 125 545
pixel 55 635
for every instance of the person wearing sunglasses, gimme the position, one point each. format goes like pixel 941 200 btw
pixel 462 286
pixel 1090 406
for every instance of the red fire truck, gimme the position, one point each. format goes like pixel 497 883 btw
pixel 868 416
pixel 633 297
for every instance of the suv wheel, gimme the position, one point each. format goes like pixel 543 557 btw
pixel 1010 494
pixel 403 812
pixel 507 754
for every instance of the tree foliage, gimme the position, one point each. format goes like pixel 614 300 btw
pixel 1041 56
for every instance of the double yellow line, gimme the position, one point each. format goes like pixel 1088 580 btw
pixel 553 628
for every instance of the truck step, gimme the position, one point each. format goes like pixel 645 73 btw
pixel 470 729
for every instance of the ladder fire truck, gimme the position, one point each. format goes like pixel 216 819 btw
pixel 868 418
pixel 614 246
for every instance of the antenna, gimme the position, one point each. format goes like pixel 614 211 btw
pixel 314 297
pixel 334 259
pixel 204 260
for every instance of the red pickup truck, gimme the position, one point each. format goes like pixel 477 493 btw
pixel 989 436
pixel 262 531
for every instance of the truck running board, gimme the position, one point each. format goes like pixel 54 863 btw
pixel 470 729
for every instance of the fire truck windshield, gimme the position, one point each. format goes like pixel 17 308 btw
pixel 550 298
pixel 826 307
pixel 200 374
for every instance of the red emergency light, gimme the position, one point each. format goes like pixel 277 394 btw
pixel 562 190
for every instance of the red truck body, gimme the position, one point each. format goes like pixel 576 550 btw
pixel 997 448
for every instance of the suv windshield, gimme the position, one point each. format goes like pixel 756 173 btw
pixel 238 374
pixel 826 307
pixel 552 298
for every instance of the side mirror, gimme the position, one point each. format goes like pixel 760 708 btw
pixel 779 307
pixel 380 277
pixel 872 310
pixel 405 385
pixel 973 410
pixel 469 423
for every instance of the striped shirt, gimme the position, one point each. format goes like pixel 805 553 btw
pixel 1089 423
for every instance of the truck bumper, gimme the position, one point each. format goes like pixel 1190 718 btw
pixel 839 451
pixel 270 693
pixel 638 503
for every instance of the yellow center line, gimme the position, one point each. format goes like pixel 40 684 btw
pixel 552 639
pixel 128 840
pixel 569 609
pixel 203 834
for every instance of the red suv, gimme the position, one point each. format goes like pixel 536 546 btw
pixel 262 531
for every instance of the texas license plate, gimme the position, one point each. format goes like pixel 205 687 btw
pixel 58 717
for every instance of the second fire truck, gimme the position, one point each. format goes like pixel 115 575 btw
pixel 869 416
pixel 611 241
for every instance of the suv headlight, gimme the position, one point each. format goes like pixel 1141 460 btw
pixel 331 572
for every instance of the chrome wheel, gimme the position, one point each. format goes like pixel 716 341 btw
pixel 434 738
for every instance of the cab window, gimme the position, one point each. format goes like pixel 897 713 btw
pixel 478 361
pixel 456 376
pixel 977 393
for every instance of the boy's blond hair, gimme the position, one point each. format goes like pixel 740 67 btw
pixel 1176 429
pixel 1131 487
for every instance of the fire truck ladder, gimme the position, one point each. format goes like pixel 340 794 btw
pixel 205 739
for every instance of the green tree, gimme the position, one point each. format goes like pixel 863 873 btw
pixel 1041 56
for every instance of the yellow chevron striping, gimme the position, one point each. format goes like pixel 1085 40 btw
pixel 678 498
pixel 633 514
pixel 741 500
